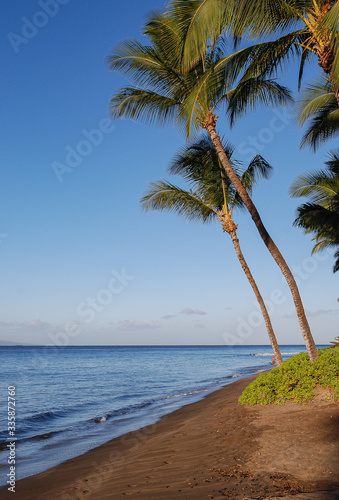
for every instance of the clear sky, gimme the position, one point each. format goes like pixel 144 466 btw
pixel 80 263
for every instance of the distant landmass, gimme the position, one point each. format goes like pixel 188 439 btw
pixel 10 343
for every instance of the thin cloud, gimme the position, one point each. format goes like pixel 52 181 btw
pixel 199 324
pixel 189 311
pixel 314 314
pixel 134 324
pixel 31 324
pixel 321 312
pixel 168 316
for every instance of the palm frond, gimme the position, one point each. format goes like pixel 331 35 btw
pixel 324 126
pixel 320 187
pixel 251 93
pixel 163 31
pixel 305 56
pixel 263 17
pixel 266 58
pixel 163 196
pixel 200 23
pixel 315 96
pixel 258 168
pixel 193 160
pixel 200 167
pixel 333 162
pixel 329 24
pixel 336 264
pixel 316 218
pixel 323 244
pixel 144 105
pixel 319 105
pixel 144 66
pixel 320 215
pixel 335 66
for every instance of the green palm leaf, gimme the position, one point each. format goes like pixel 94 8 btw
pixel 318 105
pixel 320 187
pixel 162 195
pixel 254 92
pixel 320 216
pixel 315 96
pixel 199 165
pixel 200 23
pixel 263 17
pixel 144 105
pixel 145 66
pixel 299 28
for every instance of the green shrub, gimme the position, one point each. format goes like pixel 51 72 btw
pixel 295 380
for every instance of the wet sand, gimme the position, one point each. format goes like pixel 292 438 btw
pixel 214 448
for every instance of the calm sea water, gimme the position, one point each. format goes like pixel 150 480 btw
pixel 63 393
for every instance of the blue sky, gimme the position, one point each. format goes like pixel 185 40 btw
pixel 80 262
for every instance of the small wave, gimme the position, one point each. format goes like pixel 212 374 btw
pixel 236 375
pixel 3 445
pixel 262 354
pixel 36 437
pixel 185 394
pixel 47 435
pixel 128 409
pixel 44 416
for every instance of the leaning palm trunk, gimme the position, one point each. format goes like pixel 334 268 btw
pixel 231 228
pixel 274 251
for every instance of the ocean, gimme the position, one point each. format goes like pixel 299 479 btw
pixel 72 399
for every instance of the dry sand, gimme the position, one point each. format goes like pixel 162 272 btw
pixel 211 449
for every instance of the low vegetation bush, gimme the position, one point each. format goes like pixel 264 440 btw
pixel 296 379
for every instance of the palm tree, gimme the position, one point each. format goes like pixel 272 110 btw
pixel 165 93
pixel 212 196
pixel 303 27
pixel 320 215
pixel 319 107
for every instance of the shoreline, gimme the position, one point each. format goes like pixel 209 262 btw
pixel 212 448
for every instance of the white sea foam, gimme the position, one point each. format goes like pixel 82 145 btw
pixel 185 394
pixel 99 419
pixel 271 353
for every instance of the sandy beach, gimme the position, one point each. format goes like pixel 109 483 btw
pixel 210 449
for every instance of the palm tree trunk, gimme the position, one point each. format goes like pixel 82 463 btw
pixel 273 249
pixel 260 300
pixel 326 58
